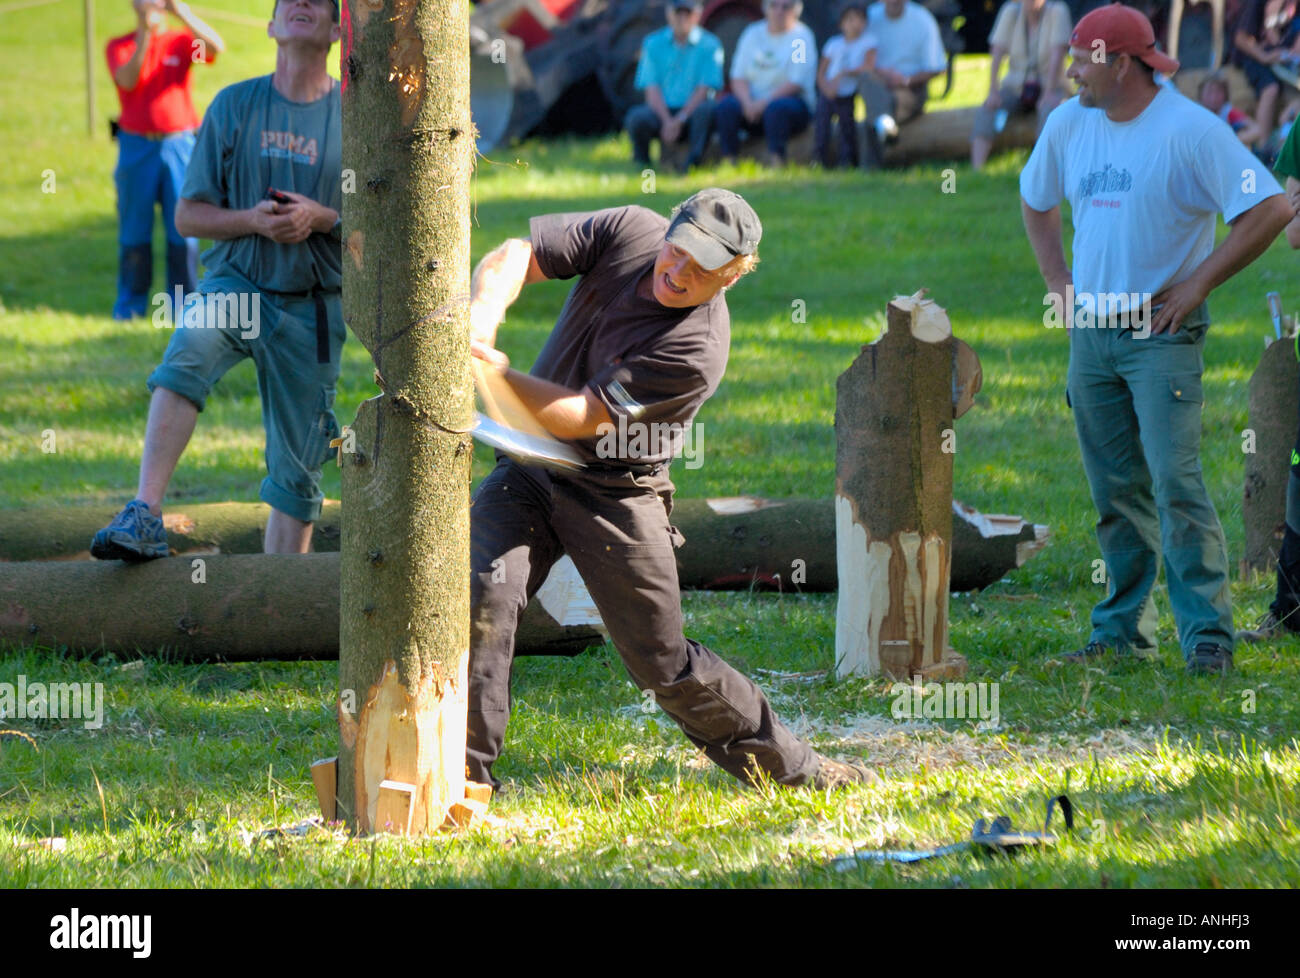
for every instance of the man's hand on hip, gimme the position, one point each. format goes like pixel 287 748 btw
pixel 1175 303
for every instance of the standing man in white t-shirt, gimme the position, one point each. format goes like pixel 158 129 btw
pixel 773 80
pixel 1146 171
pixel 909 54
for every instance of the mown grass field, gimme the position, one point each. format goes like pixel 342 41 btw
pixel 1179 782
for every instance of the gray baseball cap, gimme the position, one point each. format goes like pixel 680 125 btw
pixel 715 226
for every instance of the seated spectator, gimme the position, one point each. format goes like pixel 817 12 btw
pixel 155 135
pixel 1213 94
pixel 845 59
pixel 679 71
pixel 909 53
pixel 1261 36
pixel 773 76
pixel 1032 36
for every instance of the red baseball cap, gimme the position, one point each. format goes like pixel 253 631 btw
pixel 1122 30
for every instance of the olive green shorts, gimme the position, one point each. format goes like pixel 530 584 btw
pixel 230 320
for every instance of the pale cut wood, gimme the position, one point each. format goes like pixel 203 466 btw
pixel 408 737
pixel 394 807
pixel 478 792
pixel 324 775
pixel 465 813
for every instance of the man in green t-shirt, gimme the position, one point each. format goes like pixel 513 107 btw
pixel 264 184
pixel 1284 615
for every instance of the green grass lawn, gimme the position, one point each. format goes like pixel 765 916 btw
pixel 1179 782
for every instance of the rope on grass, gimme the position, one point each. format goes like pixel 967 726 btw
pixel 19 733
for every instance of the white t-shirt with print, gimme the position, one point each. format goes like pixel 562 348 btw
pixel 1144 194
pixel 768 61
pixel 841 54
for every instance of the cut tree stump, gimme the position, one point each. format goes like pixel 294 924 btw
pixel 232 607
pixel 1274 406
pixel 732 542
pixel 894 410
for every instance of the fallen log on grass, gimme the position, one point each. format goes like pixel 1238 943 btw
pixel 945 135
pixel 732 543
pixel 216 607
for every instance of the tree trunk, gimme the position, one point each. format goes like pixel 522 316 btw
pixel 229 607
pixel 404 572
pixel 1274 405
pixel 733 543
pixel 893 498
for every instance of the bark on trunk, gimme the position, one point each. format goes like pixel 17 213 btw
pixel 732 543
pixel 1274 404
pixel 231 607
pixel 893 498
pixel 404 639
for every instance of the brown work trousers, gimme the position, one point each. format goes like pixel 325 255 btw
pixel 614 525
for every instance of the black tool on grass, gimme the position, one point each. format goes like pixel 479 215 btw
pixel 989 837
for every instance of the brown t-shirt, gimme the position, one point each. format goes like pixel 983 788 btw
pixel 650 365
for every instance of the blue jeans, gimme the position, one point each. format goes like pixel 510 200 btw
pixel 1137 410
pixel 150 172
pixel 784 117
pixel 830 111
pixel 643 125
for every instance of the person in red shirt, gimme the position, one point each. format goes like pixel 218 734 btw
pixel 151 69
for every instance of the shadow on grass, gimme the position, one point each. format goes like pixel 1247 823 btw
pixel 72 270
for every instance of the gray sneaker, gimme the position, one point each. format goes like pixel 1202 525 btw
pixel 1089 653
pixel 1209 659
pixel 1269 628
pixel 1095 651
pixel 134 535
pixel 837 774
